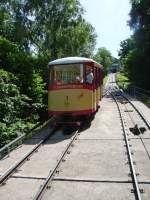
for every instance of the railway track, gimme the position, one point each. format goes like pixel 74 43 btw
pixel 136 109
pixel 49 178
pixel 133 122
pixel 103 161
pixel 138 124
pixel 133 171
pixel 26 170
pixel 25 158
pixel 137 190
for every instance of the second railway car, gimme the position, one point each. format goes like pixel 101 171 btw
pixel 75 86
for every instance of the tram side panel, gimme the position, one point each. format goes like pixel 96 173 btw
pixel 74 101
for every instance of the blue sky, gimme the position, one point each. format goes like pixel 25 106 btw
pixel 109 18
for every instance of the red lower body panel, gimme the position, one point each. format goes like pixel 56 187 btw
pixel 73 113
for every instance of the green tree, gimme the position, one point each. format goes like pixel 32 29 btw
pixel 30 72
pixel 126 46
pixel 135 51
pixel 104 57
pixel 54 28
pixel 15 23
pixel 9 52
pixel 31 34
pixel 12 106
pixel 126 53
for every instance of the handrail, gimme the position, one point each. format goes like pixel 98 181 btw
pixel 11 143
pixel 7 148
pixel 131 86
pixel 10 146
pixel 147 91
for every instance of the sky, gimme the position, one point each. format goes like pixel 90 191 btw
pixel 109 18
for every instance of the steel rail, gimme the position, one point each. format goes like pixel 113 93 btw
pixel 141 115
pixel 49 178
pixel 143 118
pixel 105 93
pixel 133 173
pixel 12 170
pixel 138 128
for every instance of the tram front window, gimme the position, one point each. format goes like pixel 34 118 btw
pixel 66 74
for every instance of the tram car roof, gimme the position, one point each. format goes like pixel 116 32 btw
pixel 72 60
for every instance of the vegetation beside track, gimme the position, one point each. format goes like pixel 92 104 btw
pixel 124 83
pixel 135 51
pixel 105 80
pixel 122 80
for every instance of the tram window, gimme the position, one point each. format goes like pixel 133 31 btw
pixel 67 74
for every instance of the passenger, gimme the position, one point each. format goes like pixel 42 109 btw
pixel 89 76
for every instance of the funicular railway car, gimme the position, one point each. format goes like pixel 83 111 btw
pixel 114 68
pixel 75 87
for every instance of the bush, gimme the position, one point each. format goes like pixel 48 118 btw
pixel 12 106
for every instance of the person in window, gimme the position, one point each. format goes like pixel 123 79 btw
pixel 89 76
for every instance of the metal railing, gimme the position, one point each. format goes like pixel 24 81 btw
pixel 138 93
pixel 18 141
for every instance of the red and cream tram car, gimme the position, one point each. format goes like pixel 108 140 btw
pixel 75 86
